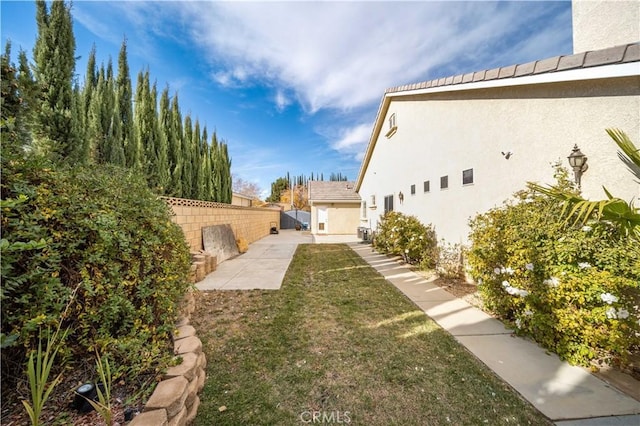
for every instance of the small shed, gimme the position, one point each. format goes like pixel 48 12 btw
pixel 335 207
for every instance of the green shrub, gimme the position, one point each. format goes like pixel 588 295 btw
pixel 575 289
pixel 405 236
pixel 99 236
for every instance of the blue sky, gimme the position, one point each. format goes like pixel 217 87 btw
pixel 295 86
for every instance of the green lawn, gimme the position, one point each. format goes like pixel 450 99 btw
pixel 340 343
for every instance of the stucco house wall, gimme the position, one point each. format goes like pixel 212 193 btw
pixel 335 207
pixel 443 132
pixel 343 218
pixel 601 24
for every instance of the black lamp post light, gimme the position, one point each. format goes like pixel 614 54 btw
pixel 578 161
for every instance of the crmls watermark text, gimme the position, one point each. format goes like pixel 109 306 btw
pixel 312 416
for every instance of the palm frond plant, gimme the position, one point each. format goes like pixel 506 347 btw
pixel 613 209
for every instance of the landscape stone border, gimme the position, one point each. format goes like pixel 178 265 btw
pixel 175 400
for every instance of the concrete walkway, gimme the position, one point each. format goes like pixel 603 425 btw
pixel 262 267
pixel 570 396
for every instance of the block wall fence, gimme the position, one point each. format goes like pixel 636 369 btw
pixel 249 223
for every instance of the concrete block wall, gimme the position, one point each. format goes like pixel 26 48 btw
pixel 249 223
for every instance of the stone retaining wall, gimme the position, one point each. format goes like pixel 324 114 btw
pixel 249 223
pixel 175 400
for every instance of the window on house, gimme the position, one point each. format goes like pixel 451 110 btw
pixel 467 176
pixel 413 190
pixel 388 203
pixel 426 186
pixel 444 182
pixel 392 125
pixel 373 201
pixel 363 213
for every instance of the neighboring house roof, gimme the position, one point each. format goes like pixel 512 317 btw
pixel 332 191
pixel 618 61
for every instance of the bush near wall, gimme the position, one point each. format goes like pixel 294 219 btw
pixel 406 236
pixel 575 289
pixel 96 243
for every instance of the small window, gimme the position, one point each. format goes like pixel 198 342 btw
pixel 467 176
pixel 413 189
pixel 363 213
pixel 426 186
pixel 388 203
pixel 444 182
pixel 373 201
pixel 393 127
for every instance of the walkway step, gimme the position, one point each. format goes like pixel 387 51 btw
pixel 567 394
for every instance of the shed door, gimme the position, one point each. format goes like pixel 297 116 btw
pixel 323 219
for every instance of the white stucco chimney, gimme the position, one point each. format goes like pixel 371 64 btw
pixel 599 24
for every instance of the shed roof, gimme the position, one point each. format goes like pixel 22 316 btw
pixel 333 191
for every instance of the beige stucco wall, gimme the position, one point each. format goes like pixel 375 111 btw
pixel 445 133
pixel 342 218
pixel 250 223
pixel 601 24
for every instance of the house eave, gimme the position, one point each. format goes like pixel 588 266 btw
pixel 618 70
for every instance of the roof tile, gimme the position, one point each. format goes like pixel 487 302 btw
pixel 525 69
pixel 507 71
pixel 633 53
pixel 571 61
pixel 546 65
pixel 624 53
pixel 605 56
pixel 332 191
pixel 492 74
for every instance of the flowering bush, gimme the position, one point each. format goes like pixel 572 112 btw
pixel 405 236
pixel 574 289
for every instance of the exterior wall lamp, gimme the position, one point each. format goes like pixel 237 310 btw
pixel 578 161
pixel 401 197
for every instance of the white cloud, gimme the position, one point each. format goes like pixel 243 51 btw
pixel 353 140
pixel 281 100
pixel 344 54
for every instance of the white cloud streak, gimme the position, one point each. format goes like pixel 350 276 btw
pixel 343 55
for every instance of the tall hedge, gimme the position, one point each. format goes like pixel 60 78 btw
pixel 94 250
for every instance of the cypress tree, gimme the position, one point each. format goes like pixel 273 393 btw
pixel 165 124
pixel 175 148
pixel 205 168
pixel 55 65
pixel 123 98
pixel 196 149
pixel 226 182
pixel 143 123
pixel 13 112
pixel 187 169
pixel 161 166
pixel 216 176
pixel 94 133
